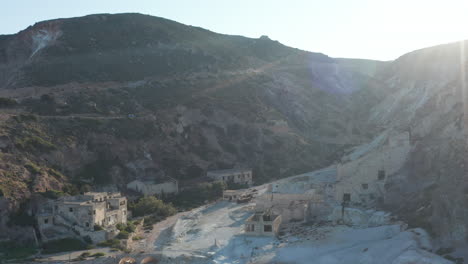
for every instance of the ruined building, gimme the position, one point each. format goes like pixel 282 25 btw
pixel 362 175
pixel 263 224
pixel 159 186
pixel 291 207
pixel 92 214
pixel 239 176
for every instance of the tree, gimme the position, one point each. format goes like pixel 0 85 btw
pixel 152 205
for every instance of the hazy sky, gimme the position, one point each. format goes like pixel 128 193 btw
pixel 373 29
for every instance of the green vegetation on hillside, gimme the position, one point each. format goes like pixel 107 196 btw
pixel 151 205
pixel 63 245
pixel 10 250
pixel 197 195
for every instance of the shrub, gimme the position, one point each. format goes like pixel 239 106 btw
pixel 123 235
pixel 7 102
pixel 11 250
pixel 135 238
pixel 130 228
pixel 33 168
pixel 52 194
pixel 112 243
pixel 55 174
pixel 120 226
pixel 83 256
pixel 61 245
pixel 197 195
pixel 152 205
pixel 34 143
pixel 98 254
pixel 88 239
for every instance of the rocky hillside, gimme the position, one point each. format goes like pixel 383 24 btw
pixel 99 100
pixel 426 96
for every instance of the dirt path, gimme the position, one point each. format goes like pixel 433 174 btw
pixel 148 243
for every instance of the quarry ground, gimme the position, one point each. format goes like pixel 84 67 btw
pixel 213 234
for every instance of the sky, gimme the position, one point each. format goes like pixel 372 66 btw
pixel 368 29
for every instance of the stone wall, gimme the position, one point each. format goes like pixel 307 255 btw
pixel 145 188
pixel 255 225
pixel 291 207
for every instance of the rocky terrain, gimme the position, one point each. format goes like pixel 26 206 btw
pixel 100 99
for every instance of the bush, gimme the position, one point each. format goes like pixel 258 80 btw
pixel 7 102
pixel 98 254
pixel 83 256
pixel 33 168
pixel 197 195
pixel 52 194
pixel 112 243
pixel 34 143
pixel 88 239
pixel 120 226
pixel 130 228
pixel 62 245
pixel 123 235
pixel 11 250
pixel 98 228
pixel 152 205
pixel 135 238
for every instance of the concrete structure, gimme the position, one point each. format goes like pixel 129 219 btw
pixel 80 214
pixel 320 182
pixel 155 186
pixel 239 176
pixel 233 195
pixel 263 224
pixel 361 177
pixel 291 207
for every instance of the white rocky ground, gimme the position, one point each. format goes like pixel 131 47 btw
pixel 214 235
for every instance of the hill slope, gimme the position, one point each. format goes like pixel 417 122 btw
pixel 102 99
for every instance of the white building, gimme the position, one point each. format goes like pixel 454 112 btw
pixel 79 215
pixel 239 176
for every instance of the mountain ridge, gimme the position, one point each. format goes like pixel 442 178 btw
pixel 80 100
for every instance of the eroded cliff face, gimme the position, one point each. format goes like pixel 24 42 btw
pixel 427 98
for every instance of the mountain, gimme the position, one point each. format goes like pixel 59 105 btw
pixel 101 99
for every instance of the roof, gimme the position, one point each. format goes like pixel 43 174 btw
pixel 228 171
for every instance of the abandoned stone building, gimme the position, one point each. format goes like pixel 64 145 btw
pixel 362 177
pixel 239 176
pixel 233 195
pixel 159 186
pixel 80 215
pixel 291 207
pixel 263 224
